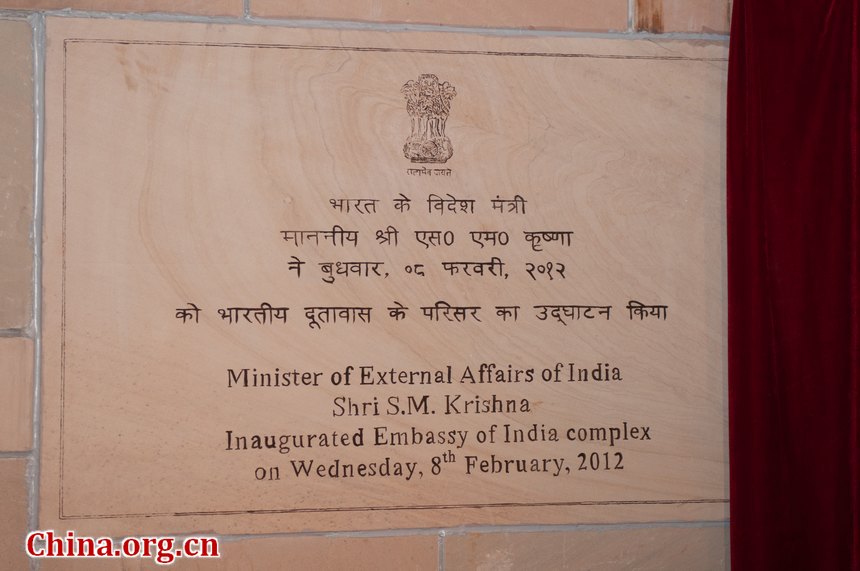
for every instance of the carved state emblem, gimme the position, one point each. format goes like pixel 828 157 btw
pixel 428 103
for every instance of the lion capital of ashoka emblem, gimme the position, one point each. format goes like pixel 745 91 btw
pixel 428 103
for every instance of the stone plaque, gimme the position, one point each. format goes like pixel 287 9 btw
pixel 317 280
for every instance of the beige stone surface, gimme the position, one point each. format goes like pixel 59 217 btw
pixel 118 564
pixel 645 549
pixel 13 513
pixel 692 16
pixel 199 7
pixel 178 155
pixel 16 174
pixel 406 553
pixel 16 394
pixel 697 16
pixel 600 15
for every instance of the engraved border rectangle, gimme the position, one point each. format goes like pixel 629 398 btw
pixel 63 516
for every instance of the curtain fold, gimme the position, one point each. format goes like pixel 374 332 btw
pixel 793 216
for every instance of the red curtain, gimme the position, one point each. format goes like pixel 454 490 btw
pixel 794 284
